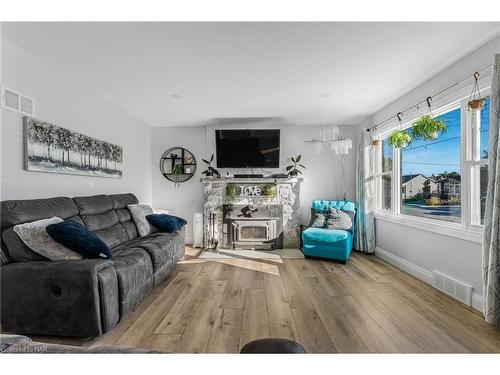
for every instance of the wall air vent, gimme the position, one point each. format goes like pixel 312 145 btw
pixel 454 288
pixel 17 102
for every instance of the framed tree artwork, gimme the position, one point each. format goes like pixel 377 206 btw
pixel 50 148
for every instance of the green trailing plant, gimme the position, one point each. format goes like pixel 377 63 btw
pixel 177 169
pixel 428 128
pixel 270 191
pixel 400 139
pixel 210 171
pixel 231 191
pixel 294 169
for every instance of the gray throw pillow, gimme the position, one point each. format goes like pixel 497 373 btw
pixel 35 236
pixel 139 213
pixel 318 220
pixel 339 219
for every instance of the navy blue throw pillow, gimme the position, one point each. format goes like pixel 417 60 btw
pixel 166 223
pixel 79 239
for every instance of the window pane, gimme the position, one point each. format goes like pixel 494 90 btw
pixel 430 174
pixel 386 156
pixel 484 130
pixel 483 185
pixel 386 192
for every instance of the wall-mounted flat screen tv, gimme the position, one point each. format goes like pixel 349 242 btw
pixel 248 148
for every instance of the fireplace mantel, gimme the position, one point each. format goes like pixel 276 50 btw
pixel 215 197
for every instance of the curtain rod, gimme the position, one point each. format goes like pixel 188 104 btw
pixel 401 113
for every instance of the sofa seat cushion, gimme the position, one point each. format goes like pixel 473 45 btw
pixel 135 276
pixel 325 235
pixel 160 246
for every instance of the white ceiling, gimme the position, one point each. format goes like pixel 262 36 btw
pixel 250 70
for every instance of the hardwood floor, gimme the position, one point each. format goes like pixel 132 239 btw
pixel 367 305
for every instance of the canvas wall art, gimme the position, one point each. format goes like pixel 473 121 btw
pixel 50 148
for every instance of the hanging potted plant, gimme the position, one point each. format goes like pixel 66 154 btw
pixel 400 138
pixel 476 103
pixel 293 170
pixel 428 128
pixel 210 171
pixel 375 141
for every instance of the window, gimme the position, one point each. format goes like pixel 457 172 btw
pixel 443 179
pixel 480 124
pixel 430 174
pixel 384 177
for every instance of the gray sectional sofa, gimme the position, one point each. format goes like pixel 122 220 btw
pixel 80 298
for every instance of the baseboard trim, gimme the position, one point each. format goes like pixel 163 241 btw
pixel 421 273
pixel 477 301
pixel 412 269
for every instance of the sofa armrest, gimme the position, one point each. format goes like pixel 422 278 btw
pixel 63 298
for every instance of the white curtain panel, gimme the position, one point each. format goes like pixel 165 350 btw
pixel 365 194
pixel 491 243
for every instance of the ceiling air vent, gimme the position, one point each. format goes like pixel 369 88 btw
pixel 17 102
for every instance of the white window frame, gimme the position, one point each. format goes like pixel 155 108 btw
pixel 468 229
pixel 379 160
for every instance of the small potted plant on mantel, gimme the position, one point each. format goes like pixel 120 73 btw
pixel 294 169
pixel 210 171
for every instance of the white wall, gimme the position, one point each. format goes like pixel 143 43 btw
pixel 458 258
pixel 321 178
pixel 63 100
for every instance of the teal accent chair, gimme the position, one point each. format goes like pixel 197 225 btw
pixel 333 244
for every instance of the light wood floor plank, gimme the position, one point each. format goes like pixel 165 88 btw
pixel 313 335
pixel 254 325
pixel 225 335
pixel 280 317
pixel 297 297
pixel 341 332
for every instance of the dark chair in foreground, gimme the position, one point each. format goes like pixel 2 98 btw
pixel 272 346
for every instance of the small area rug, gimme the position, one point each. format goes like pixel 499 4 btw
pixel 255 254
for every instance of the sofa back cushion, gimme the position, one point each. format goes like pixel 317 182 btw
pixel 14 212
pixel 120 203
pixel 98 215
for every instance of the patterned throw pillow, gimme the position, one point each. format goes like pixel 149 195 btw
pixel 35 236
pixel 339 219
pixel 139 213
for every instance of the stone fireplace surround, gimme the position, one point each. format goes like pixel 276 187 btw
pixel 283 208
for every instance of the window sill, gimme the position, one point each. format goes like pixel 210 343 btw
pixel 468 233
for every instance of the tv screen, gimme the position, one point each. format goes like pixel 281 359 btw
pixel 248 148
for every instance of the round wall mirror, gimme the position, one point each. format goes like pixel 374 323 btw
pixel 177 165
